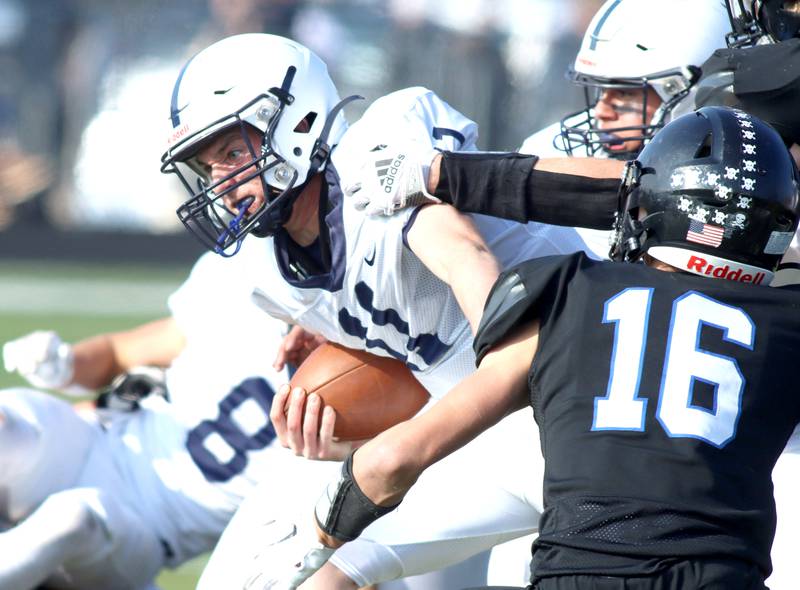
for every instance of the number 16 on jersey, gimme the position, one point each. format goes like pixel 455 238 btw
pixel 684 365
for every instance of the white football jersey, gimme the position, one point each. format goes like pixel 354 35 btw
pixel 191 461
pixel 378 295
pixel 544 143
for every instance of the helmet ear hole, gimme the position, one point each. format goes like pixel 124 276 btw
pixel 704 149
pixel 306 123
pixel 783 220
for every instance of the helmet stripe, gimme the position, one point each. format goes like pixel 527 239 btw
pixel 174 111
pixel 601 22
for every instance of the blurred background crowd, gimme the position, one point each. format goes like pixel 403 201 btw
pixel 85 87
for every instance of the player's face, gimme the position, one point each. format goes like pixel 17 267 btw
pixel 230 159
pixel 619 108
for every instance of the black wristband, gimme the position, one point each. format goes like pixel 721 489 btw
pixel 350 511
pixel 506 185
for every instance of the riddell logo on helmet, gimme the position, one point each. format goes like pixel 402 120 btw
pixel 701 266
pixel 178 134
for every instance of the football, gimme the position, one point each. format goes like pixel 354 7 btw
pixel 370 393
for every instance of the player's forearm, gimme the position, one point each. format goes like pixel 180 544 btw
pixel 376 478
pixel 95 363
pixel 389 465
pixel 560 191
pixel 100 358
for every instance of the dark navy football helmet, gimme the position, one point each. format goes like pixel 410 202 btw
pixel 714 193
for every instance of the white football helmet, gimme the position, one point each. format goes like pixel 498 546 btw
pixel 274 85
pixel 636 44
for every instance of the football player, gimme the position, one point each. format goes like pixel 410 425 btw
pixel 263 148
pixel 633 74
pixel 107 503
pixel 612 59
pixel 622 47
pixel 663 479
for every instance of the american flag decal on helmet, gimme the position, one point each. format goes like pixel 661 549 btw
pixel 703 233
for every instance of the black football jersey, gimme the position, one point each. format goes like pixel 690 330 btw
pixel 663 401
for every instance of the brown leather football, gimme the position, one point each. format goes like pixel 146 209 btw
pixel 370 393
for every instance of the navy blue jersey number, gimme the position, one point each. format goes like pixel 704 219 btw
pixel 427 346
pixel 233 434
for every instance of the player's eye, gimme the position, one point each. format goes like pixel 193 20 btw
pixel 235 155
pixel 627 95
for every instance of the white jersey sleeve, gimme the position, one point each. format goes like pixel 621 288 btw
pixel 788 272
pixel 543 142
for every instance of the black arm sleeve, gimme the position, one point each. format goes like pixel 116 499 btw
pixel 506 185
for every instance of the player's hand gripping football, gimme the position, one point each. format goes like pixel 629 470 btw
pixel 41 358
pixel 304 426
pixel 392 178
pixel 296 346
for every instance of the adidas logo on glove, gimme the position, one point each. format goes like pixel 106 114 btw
pixel 387 171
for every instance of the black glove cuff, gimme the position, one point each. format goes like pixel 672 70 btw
pixel 350 511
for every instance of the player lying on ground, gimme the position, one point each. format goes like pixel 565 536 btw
pixel 209 449
pixel 110 502
pixel 663 481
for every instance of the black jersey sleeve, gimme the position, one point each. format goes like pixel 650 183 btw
pixel 522 294
pixel 506 185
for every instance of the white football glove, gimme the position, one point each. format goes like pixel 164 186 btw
pixel 392 178
pixel 41 358
pixel 288 561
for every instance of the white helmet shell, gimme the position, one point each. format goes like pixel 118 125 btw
pixel 239 75
pixel 635 39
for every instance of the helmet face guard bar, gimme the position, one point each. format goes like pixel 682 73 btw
pixel 745 29
pixel 756 21
pixel 579 129
pixel 627 231
pixel 204 213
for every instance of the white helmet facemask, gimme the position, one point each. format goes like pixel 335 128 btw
pixel 296 122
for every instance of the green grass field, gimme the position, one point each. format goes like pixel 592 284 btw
pixel 82 300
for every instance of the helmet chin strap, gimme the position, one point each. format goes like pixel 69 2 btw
pixel 322 150
pixel 279 215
